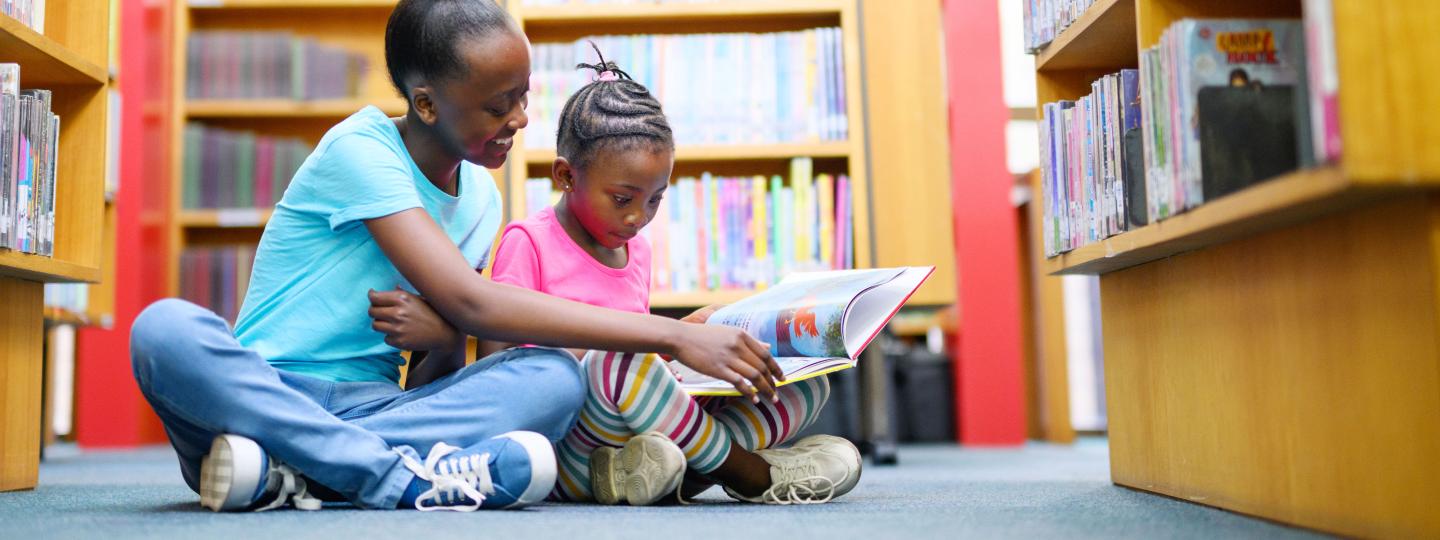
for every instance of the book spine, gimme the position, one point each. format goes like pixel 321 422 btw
pixel 760 230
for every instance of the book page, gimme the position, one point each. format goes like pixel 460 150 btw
pixel 876 306
pixel 796 369
pixel 803 315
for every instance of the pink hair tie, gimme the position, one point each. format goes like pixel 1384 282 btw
pixel 608 75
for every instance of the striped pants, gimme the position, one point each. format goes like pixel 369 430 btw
pixel 636 393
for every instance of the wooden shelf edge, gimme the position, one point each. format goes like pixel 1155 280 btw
pixel 1274 203
pixel 738 152
pixel 219 5
pixel 45 269
pixel 273 108
pixel 696 299
pixel 226 218
pixel 736 9
pixel 25 46
pixel 1097 25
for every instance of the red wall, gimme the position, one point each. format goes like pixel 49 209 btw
pixel 989 382
pixel 109 410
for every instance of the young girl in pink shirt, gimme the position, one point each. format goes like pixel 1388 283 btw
pixel 638 431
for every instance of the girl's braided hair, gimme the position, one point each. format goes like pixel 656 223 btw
pixel 613 111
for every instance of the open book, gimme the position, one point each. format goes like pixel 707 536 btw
pixel 815 322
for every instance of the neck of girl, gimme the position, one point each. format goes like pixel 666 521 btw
pixel 439 166
pixel 614 258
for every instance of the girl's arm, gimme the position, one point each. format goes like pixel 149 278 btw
pixel 476 306
pixel 436 348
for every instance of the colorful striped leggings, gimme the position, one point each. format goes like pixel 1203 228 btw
pixel 636 393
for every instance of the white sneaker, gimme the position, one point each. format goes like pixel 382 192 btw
pixel 814 470
pixel 650 466
pixel 238 475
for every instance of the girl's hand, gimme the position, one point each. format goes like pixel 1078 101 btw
pixel 732 356
pixel 410 324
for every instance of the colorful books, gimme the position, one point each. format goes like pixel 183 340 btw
pixel 1194 54
pixel 269 65
pixel 237 169
pixel 29 152
pixel 217 277
pixel 814 322
pixel 725 233
pixel 30 13
pixel 1324 79
pixel 792 88
pixel 1214 107
pixel 1045 19
pixel 1083 176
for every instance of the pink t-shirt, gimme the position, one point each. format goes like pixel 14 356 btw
pixel 536 253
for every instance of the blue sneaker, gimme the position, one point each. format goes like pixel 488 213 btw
pixel 238 475
pixel 508 471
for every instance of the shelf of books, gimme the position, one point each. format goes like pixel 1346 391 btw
pixel 1250 182
pixel 770 168
pixel 257 83
pixel 53 104
pixel 240 122
pixel 286 108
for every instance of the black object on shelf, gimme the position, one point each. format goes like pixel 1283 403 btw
pixel 1247 134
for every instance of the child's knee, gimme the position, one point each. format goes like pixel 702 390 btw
pixel 562 376
pixel 153 334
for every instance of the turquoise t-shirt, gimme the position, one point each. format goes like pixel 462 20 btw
pixel 306 310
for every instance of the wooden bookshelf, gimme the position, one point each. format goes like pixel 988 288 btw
pixel 683 300
pixel 1273 351
pixel 571 22
pixel 45 62
pixel 1289 199
pixel 70 59
pixel 736 152
pixel 225 218
pixel 1096 39
pixel 277 108
pixel 664 18
pixel 359 25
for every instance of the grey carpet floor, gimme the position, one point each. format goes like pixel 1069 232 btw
pixel 940 491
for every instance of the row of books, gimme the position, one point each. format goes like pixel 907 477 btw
pixel 29 148
pixel 715 233
pixel 30 13
pixel 1220 103
pixel 716 88
pixel 269 65
pixel 216 277
pixel 1045 19
pixel 237 169
pixel 1217 105
pixel 1084 158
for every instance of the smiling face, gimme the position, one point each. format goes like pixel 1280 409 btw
pixel 477 113
pixel 617 193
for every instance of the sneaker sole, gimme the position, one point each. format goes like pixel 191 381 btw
pixel 542 467
pixel 230 473
pixel 654 468
pixel 603 472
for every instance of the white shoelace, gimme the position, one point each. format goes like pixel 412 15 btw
pixel 801 486
pixel 291 484
pixel 450 478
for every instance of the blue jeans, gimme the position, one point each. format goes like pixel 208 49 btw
pixel 202 382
